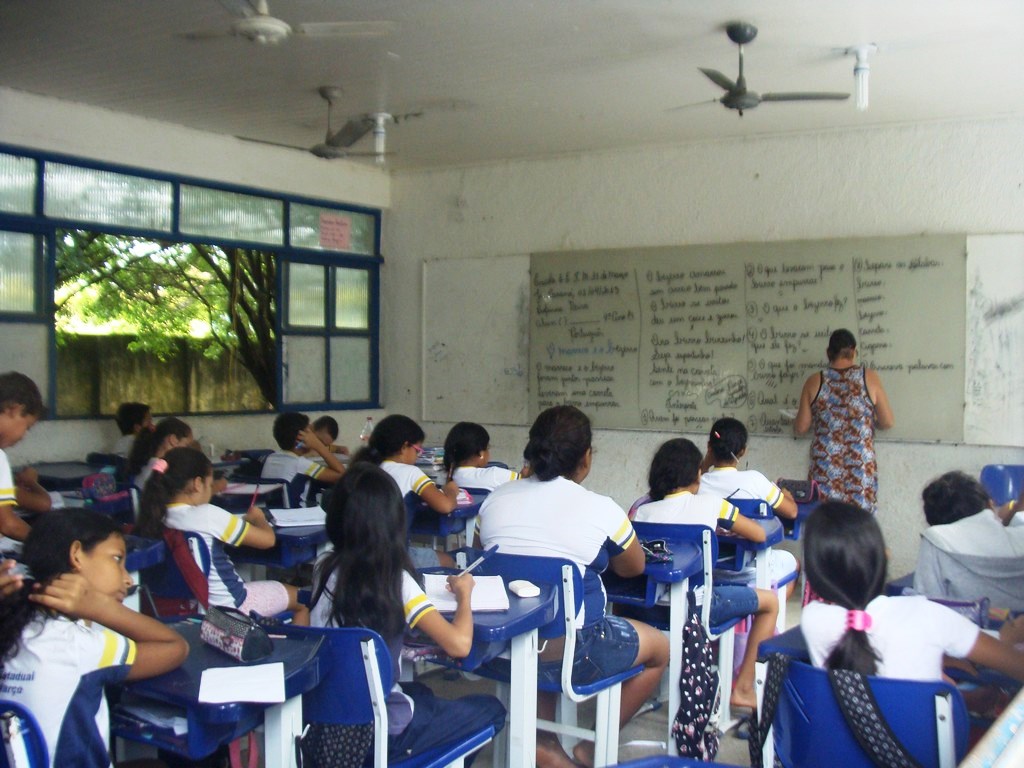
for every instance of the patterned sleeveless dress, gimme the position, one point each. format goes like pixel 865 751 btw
pixel 843 448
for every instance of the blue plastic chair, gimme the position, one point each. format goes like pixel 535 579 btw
pixel 566 577
pixel 21 739
pixel 355 677
pixel 1004 482
pixel 171 594
pixel 929 718
pixel 289 498
pixel 423 521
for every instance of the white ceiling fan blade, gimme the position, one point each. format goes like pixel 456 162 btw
pixel 808 96
pixel 366 29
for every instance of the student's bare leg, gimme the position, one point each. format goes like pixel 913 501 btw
pixel 549 749
pixel 763 627
pixel 653 653
pixel 300 613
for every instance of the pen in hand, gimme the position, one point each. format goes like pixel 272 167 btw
pixel 476 563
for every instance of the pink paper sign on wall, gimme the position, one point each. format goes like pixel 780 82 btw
pixel 335 231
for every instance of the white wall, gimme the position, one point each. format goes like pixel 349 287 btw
pixel 34 122
pixel 944 178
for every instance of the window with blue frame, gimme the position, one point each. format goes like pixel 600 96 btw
pixel 195 297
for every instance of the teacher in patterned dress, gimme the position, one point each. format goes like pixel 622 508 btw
pixel 844 404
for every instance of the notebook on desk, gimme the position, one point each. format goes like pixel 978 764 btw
pixel 299 516
pixel 489 593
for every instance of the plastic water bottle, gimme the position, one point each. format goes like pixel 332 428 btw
pixel 364 435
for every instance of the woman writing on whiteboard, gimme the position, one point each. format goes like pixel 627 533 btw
pixel 844 404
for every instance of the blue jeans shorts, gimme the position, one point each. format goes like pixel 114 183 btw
pixel 730 602
pixel 604 648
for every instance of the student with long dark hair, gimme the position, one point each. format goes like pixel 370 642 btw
pixel 368 580
pixel 394 445
pixel 861 629
pixel 153 444
pixel 177 495
pixel 467 452
pixel 675 480
pixel 551 515
pixel 63 641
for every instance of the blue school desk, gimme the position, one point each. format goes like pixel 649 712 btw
pixel 516 630
pixel 141 554
pixel 294 546
pixel 65 475
pixel 736 552
pixel 643 591
pixel 211 725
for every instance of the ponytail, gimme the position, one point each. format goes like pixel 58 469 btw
pixel 148 442
pixel 464 441
pixel 388 437
pixel 844 553
pixel 170 477
pixel 728 439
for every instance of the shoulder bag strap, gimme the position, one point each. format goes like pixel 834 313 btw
pixel 778 665
pixel 190 572
pixel 866 721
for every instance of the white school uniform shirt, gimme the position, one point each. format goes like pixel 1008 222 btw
pixel 909 634
pixel 7 498
pixel 58 674
pixel 217 527
pixel 729 482
pixel 559 518
pixel 287 464
pixel 483 477
pixel 407 476
pixel 415 605
pixel 685 508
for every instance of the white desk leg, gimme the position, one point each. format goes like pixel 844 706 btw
pixel 677 617
pixel 132 601
pixel 760 676
pixel 522 702
pixel 281 724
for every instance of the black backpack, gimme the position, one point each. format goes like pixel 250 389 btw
pixel 695 726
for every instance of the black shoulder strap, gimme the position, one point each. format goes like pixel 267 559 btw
pixel 778 665
pixel 866 721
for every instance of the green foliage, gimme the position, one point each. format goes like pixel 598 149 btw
pixel 161 292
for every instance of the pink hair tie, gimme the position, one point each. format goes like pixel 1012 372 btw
pixel 858 620
pixel 160 466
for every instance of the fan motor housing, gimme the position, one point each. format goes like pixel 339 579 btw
pixel 265 30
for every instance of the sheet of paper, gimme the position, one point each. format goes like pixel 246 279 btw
pixel 290 518
pixel 262 683
pixel 250 488
pixel 488 593
pixel 160 715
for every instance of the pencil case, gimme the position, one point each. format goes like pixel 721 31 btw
pixel 234 633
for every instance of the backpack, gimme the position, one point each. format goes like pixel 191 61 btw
pixel 695 726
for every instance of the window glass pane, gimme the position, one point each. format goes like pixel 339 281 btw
pixel 328 229
pixel 17 183
pixel 17 272
pixel 305 366
pixel 107 198
pixel 351 298
pixel 306 300
pixel 350 368
pixel 231 215
pixel 24 351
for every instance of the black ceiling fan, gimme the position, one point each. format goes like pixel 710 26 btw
pixel 737 96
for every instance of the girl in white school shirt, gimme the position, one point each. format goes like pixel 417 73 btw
pixel 65 639
pixel 861 629
pixel 177 496
pixel 467 452
pixel 394 445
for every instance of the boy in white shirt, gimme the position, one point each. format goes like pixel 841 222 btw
pixel 298 442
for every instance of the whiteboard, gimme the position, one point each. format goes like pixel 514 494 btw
pixel 994 412
pixel 475 339
pixel 673 338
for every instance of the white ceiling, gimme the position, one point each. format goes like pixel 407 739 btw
pixel 501 79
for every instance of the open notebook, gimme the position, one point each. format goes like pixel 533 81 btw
pixel 488 593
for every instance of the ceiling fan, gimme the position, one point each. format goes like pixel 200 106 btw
pixel 736 94
pixel 337 144
pixel 254 22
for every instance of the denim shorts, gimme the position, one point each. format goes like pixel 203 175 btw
pixel 604 648
pixel 730 602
